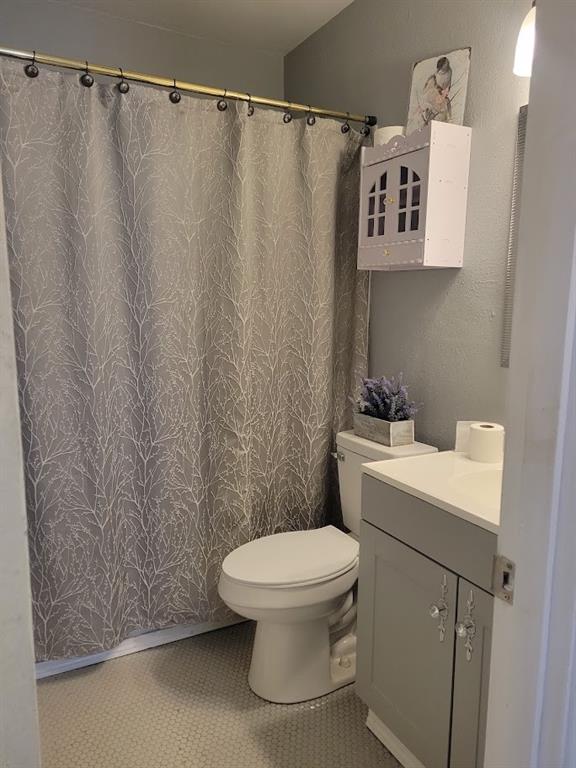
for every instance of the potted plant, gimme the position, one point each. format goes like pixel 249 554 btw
pixel 385 413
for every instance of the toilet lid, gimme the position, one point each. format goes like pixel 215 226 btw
pixel 297 557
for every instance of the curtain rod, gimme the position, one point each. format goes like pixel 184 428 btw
pixel 181 85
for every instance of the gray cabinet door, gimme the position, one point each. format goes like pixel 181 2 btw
pixel 471 676
pixel 404 660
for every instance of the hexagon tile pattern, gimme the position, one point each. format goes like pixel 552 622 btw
pixel 188 705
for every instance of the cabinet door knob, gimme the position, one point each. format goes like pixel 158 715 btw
pixel 466 629
pixel 390 199
pixel 436 610
pixel 439 609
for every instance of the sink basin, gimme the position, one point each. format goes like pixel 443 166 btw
pixel 449 480
pixel 484 487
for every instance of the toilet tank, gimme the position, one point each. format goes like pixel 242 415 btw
pixel 352 452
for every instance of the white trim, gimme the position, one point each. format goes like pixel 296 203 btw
pixel 392 742
pixel 533 646
pixel 558 671
pixel 19 734
pixel 130 645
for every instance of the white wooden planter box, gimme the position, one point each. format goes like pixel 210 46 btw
pixel 413 194
pixel 392 433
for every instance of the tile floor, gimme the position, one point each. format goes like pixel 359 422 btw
pixel 188 705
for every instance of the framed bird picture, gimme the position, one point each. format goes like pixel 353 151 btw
pixel 438 90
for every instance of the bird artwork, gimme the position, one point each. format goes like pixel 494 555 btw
pixel 435 100
pixel 439 90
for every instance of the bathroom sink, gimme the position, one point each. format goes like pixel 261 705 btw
pixel 484 487
pixel 449 480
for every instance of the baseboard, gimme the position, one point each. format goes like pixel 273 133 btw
pixel 392 742
pixel 134 644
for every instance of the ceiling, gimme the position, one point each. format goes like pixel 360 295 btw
pixel 272 25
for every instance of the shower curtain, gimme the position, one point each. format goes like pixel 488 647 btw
pixel 189 324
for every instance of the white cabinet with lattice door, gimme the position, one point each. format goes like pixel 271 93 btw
pixel 413 200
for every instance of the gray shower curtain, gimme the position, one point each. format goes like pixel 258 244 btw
pixel 189 323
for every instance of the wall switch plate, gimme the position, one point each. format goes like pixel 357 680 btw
pixel 504 575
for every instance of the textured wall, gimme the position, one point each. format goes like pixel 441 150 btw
pixel 442 329
pixel 65 30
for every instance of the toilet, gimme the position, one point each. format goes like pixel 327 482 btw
pixel 299 587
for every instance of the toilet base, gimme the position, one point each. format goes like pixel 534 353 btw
pixel 293 662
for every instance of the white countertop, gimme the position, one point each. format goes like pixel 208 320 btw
pixel 468 489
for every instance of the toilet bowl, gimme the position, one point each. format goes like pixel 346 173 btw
pixel 299 587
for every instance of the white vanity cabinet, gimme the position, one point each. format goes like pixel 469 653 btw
pixel 413 194
pixel 424 628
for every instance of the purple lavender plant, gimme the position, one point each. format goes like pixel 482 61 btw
pixel 386 399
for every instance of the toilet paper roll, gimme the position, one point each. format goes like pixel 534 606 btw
pixel 486 442
pixel 387 132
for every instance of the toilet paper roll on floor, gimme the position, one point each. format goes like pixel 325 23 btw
pixel 486 442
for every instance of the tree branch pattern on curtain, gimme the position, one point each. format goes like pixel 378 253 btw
pixel 189 324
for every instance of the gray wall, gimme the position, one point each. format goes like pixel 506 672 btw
pixel 442 329
pixel 60 29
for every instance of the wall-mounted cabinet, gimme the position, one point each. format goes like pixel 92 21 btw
pixel 413 200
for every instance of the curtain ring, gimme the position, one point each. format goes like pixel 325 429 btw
pixel 310 119
pixel 122 86
pixel 86 79
pixel 345 127
pixel 175 95
pixel 222 104
pixel 31 70
pixel 287 117
pixel 250 110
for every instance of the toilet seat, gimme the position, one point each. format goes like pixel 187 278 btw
pixel 293 559
pixel 297 588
